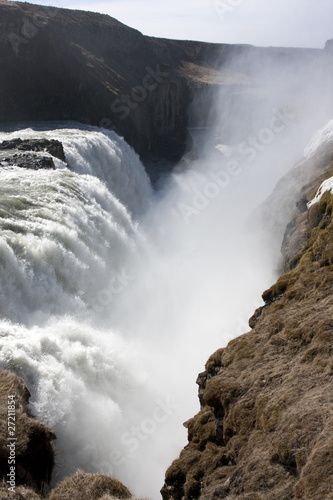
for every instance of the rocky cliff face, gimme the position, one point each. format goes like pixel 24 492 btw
pixel 26 452
pixel 265 428
pixel 60 64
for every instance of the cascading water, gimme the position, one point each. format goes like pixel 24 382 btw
pixel 67 247
pixel 112 297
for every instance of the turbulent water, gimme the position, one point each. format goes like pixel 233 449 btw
pixel 113 295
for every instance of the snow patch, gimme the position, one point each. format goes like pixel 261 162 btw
pixel 324 187
pixel 320 138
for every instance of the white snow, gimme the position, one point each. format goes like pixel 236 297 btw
pixel 321 137
pixel 325 186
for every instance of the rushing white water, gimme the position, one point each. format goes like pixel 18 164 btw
pixel 104 155
pixel 113 297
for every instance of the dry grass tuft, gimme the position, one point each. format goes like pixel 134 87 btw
pixel 84 486
pixel 21 493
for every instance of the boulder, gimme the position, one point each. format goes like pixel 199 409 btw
pixel 54 147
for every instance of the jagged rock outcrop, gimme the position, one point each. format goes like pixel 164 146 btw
pixel 52 146
pixel 27 160
pixel 265 428
pixel 33 157
pixel 25 443
pixel 60 64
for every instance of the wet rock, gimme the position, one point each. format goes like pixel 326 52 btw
pixel 29 161
pixel 54 147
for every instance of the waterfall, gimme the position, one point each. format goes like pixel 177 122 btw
pixel 113 296
pixel 69 238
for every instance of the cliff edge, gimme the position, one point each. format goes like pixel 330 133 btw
pixel 265 428
pixel 60 64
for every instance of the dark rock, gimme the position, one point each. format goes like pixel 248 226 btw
pixel 33 157
pixel 302 205
pixel 256 315
pixel 29 161
pixel 55 148
pixel 34 453
pixel 60 64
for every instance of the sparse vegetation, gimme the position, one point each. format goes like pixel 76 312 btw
pixel 265 430
pixel 83 486
pixel 21 493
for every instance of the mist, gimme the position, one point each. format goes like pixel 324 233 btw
pixel 208 258
pixel 152 282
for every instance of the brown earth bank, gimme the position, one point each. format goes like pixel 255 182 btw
pixel 265 428
pixel 61 64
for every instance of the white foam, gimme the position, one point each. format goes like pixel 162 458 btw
pixel 101 153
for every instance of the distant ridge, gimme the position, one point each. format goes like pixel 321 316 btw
pixel 61 64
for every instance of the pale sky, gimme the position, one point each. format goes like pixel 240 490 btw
pixel 294 23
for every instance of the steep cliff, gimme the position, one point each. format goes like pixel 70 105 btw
pixel 26 452
pixel 265 428
pixel 60 64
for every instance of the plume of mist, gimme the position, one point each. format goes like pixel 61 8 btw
pixel 209 260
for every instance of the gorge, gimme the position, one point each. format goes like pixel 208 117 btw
pixel 172 172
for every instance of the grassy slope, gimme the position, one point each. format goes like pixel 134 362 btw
pixel 265 430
